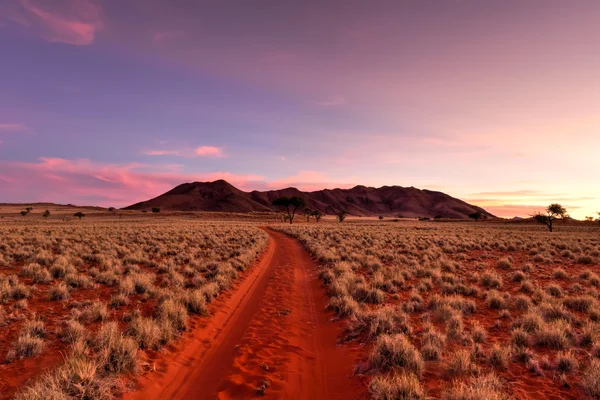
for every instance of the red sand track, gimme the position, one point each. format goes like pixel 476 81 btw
pixel 272 327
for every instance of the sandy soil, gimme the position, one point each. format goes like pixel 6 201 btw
pixel 273 328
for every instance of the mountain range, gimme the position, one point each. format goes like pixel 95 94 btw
pixel 396 201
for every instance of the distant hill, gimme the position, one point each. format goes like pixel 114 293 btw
pixel 360 200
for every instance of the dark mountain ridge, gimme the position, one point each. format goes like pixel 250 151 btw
pixel 396 201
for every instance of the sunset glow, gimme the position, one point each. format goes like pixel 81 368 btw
pixel 110 103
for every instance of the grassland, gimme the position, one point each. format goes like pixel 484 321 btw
pixel 83 302
pixel 465 311
pixel 435 309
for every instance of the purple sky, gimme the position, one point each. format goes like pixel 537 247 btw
pixel 113 102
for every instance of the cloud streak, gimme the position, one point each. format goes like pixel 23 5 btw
pixel 12 127
pixel 201 151
pixel 77 22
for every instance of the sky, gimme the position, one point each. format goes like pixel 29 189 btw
pixel 114 102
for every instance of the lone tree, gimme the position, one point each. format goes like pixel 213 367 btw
pixel 291 204
pixel 317 214
pixel 553 212
pixel 308 212
pixel 341 215
pixel 380 217
pixel 476 215
pixel 24 212
pixel 111 209
pixel 155 210
pixel 79 214
pixel 46 214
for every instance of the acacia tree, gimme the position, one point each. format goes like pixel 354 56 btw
pixel 553 212
pixel 317 214
pixel 46 214
pixel 341 215
pixel 291 205
pixel 79 214
pixel 476 216
pixel 308 212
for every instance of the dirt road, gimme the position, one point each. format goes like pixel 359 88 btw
pixel 273 328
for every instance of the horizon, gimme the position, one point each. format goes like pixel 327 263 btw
pixel 109 104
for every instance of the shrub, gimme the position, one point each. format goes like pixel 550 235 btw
pixel 392 351
pixel 26 346
pixel 495 300
pixel 460 363
pixel 397 387
pixel 591 379
pixel 491 280
pixel 478 333
pixel 173 312
pixel 146 332
pixel 554 290
pixel 73 331
pixel 560 273
pixel 78 378
pixel 520 338
pixel 552 336
pixel 33 327
pixel 343 305
pixel 503 263
pixel 59 291
pixel 488 387
pixel 433 344
pixel 499 356
pixel 195 302
pixel 518 276
pixel 587 260
pixel 368 294
pixel 566 362
pixel 579 303
pixel 522 302
pixel 117 354
pixel 93 312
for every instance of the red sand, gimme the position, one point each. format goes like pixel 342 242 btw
pixel 273 327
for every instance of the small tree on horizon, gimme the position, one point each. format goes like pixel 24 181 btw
pixel 553 212
pixel 79 215
pixel 111 209
pixel 46 214
pixel 308 212
pixel 291 205
pixel 24 212
pixel 155 209
pixel 381 217
pixel 341 216
pixel 317 214
pixel 476 216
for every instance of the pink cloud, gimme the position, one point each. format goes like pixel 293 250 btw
pixel 76 22
pixel 89 183
pixel 12 127
pixel 209 151
pixel 201 151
